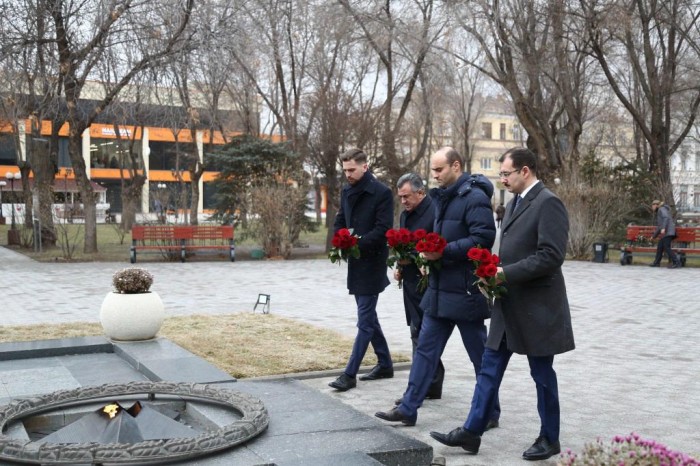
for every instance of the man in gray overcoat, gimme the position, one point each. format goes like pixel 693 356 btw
pixel 533 318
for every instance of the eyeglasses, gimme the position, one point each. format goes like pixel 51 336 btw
pixel 507 174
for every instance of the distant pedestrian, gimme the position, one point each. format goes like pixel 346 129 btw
pixel 666 231
pixel 500 210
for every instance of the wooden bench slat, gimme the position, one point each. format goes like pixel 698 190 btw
pixel 184 238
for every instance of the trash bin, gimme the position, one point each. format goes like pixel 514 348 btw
pixel 600 252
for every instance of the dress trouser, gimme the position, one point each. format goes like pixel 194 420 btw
pixel 411 302
pixel 665 246
pixel 431 343
pixel 368 332
pixel 489 380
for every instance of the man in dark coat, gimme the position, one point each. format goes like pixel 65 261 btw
pixel 533 318
pixel 367 209
pixel 464 217
pixel 418 214
pixel 666 231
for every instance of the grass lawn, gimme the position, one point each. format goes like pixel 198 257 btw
pixel 244 344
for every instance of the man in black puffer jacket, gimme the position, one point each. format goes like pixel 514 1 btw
pixel 464 217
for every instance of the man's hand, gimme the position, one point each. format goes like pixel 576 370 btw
pixel 431 256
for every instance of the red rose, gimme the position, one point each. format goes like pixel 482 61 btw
pixel 495 259
pixel 490 270
pixel 485 255
pixel 474 254
pixel 419 234
pixel 480 272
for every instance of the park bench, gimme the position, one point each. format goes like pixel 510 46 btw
pixel 639 241
pixel 181 240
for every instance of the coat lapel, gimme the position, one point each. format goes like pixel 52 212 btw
pixel 525 202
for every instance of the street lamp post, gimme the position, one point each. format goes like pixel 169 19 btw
pixel 12 177
pixel 3 183
pixel 66 173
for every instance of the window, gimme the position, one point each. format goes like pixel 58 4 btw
pixel 697 161
pixel 683 198
pixel 8 152
pixel 164 154
pixel 486 130
pixel 517 133
pixel 503 131
pixel 696 199
pixel 485 164
pixel 111 153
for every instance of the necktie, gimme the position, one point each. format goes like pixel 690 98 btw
pixel 517 201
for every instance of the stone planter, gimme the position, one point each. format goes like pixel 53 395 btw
pixel 132 317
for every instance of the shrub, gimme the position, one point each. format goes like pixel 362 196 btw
pixel 627 451
pixel 132 280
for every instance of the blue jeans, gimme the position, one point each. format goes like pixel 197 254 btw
pixel 368 331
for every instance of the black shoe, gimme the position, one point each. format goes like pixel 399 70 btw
pixel 459 437
pixel 492 424
pixel 394 415
pixel 653 264
pixel 541 450
pixel 434 392
pixel 379 372
pixel 343 383
pixel 675 265
pixel 398 401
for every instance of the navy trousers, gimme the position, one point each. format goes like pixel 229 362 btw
pixel 368 332
pixel 664 246
pixel 489 380
pixel 432 339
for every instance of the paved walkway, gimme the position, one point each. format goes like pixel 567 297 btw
pixel 635 368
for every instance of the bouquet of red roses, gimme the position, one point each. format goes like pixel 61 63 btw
pixel 344 246
pixel 402 246
pixel 431 242
pixel 486 269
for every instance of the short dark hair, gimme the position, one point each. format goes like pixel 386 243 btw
pixel 412 178
pixel 354 154
pixel 453 156
pixel 521 157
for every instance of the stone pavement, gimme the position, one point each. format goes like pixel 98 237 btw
pixel 635 368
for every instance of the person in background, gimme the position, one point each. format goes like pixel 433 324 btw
pixel 367 209
pixel 666 231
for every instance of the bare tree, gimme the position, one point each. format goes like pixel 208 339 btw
pixel 536 52
pixel 401 41
pixel 146 33
pixel 648 51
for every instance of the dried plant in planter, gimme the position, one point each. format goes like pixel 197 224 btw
pixel 132 280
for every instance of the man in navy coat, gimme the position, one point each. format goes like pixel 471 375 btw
pixel 533 318
pixel 418 214
pixel 464 217
pixel 367 209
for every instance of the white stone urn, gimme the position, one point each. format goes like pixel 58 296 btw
pixel 130 317
pixel 132 311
